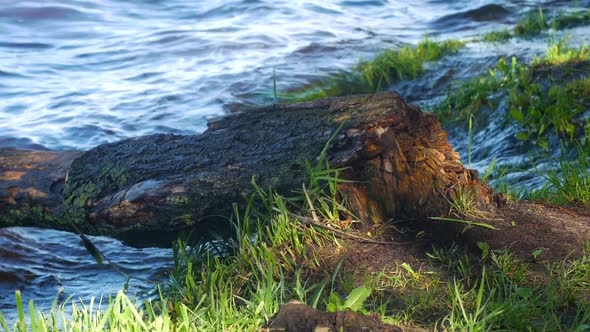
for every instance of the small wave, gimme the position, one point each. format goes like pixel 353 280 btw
pixel 491 12
pixel 363 3
pixel 32 14
pixel 30 46
pixel 11 74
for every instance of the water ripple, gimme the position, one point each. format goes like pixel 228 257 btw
pixel 78 59
pixel 41 263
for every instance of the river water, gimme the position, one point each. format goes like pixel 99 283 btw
pixel 78 73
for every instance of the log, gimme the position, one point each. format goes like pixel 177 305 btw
pixel 398 156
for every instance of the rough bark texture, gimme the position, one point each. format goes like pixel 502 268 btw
pixel 399 157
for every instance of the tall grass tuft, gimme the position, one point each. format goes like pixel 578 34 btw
pixel 387 68
pixel 571 182
pixel 119 314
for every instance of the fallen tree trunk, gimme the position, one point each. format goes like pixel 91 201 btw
pixel 397 155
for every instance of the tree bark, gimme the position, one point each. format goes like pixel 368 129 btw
pixel 398 156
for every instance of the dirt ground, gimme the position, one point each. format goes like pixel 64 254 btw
pixel 522 227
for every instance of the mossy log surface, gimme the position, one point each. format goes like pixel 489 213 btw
pixel 397 155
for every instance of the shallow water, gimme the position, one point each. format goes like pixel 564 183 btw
pixel 46 265
pixel 78 73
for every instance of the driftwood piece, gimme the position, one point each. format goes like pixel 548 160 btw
pixel 399 157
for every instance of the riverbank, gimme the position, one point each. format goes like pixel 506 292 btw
pixel 530 270
pixel 525 265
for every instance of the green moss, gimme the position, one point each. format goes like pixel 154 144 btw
pixel 385 69
pixel 33 215
pixel 178 200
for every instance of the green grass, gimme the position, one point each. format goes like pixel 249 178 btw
pixel 281 254
pixel 571 19
pixel 535 22
pixel 117 313
pixel 570 182
pixel 535 110
pixel 385 69
pixel 532 24
pixel 497 36
pixel 567 182
pixel 544 109
pixel 275 262
pixel 559 53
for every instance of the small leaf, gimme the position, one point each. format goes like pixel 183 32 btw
pixel 543 144
pixel 356 298
pixel 517 115
pixel 484 247
pixel 408 269
pixel 522 136
pixel 92 249
pixel 525 293
pixel 334 303
pixel 537 253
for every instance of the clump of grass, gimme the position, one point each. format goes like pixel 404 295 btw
pixel 276 258
pixel 570 183
pixel 532 24
pixel 471 96
pixel 537 109
pixel 497 36
pixel 571 19
pixel 559 53
pixel 119 314
pixel 531 106
pixel 506 296
pixel 536 22
pixel 385 69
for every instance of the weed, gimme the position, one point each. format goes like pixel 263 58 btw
pixel 478 318
pixel 354 301
pixel 571 19
pixel 497 36
pixel 559 53
pixel 535 23
pixel 532 24
pixel 385 69
pixel 119 314
pixel 571 182
pixel 533 106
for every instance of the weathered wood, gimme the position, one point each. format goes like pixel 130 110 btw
pixel 399 157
